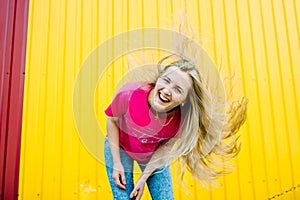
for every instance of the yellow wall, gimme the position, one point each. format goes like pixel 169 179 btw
pixel 257 39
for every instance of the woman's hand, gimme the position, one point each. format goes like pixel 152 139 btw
pixel 138 189
pixel 119 176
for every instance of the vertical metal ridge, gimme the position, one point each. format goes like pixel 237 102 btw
pixel 143 15
pixel 97 98
pixel 172 8
pixel 229 68
pixel 8 52
pixel 127 16
pixel 213 29
pixel 78 56
pixel 244 90
pixel 113 44
pixel 256 88
pixel 199 18
pixel 270 93
pixel 44 99
pixel 282 92
pixel 37 124
pixel 297 21
pixel 58 92
pixel 157 14
pixel 217 20
pixel 26 92
pixel 184 5
pixel 124 30
pixel 258 93
pixel 14 18
pixel 291 66
pixel 214 56
pixel 64 63
pixel 229 64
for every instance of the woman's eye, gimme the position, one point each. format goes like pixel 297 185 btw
pixel 166 80
pixel 179 91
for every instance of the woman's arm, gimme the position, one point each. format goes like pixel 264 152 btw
pixel 113 139
pixel 154 163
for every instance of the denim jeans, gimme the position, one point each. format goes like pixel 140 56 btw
pixel 159 183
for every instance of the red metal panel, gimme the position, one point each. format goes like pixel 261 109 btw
pixel 13 33
pixel 6 17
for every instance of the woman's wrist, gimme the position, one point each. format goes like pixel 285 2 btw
pixel 145 175
pixel 117 162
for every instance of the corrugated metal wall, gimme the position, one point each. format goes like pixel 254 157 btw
pixel 13 35
pixel 257 40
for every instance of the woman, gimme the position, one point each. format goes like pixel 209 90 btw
pixel 155 123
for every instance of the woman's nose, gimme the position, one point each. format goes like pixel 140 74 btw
pixel 167 91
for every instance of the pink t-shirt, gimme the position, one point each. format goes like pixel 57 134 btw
pixel 140 132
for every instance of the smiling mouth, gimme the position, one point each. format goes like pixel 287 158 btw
pixel 162 98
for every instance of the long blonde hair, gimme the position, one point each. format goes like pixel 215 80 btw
pixel 208 132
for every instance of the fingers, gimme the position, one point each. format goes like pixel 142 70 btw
pixel 120 180
pixel 138 190
pixel 133 193
pixel 137 193
pixel 123 179
pixel 118 176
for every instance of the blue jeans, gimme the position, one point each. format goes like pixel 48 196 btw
pixel 159 183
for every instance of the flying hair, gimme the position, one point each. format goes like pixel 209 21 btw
pixel 208 136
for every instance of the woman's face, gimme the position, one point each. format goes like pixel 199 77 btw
pixel 171 89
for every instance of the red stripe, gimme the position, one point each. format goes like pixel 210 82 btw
pixel 13 34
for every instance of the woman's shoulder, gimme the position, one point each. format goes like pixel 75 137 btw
pixel 132 86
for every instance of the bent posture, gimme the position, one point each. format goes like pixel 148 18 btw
pixel 176 116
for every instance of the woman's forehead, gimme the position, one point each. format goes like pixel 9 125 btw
pixel 178 76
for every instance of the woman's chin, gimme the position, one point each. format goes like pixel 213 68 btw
pixel 160 108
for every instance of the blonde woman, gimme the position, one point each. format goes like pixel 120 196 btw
pixel 175 117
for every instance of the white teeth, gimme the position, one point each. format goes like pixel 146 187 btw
pixel 163 98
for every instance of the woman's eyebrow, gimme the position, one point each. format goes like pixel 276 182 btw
pixel 165 76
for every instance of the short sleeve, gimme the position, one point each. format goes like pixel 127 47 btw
pixel 119 103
